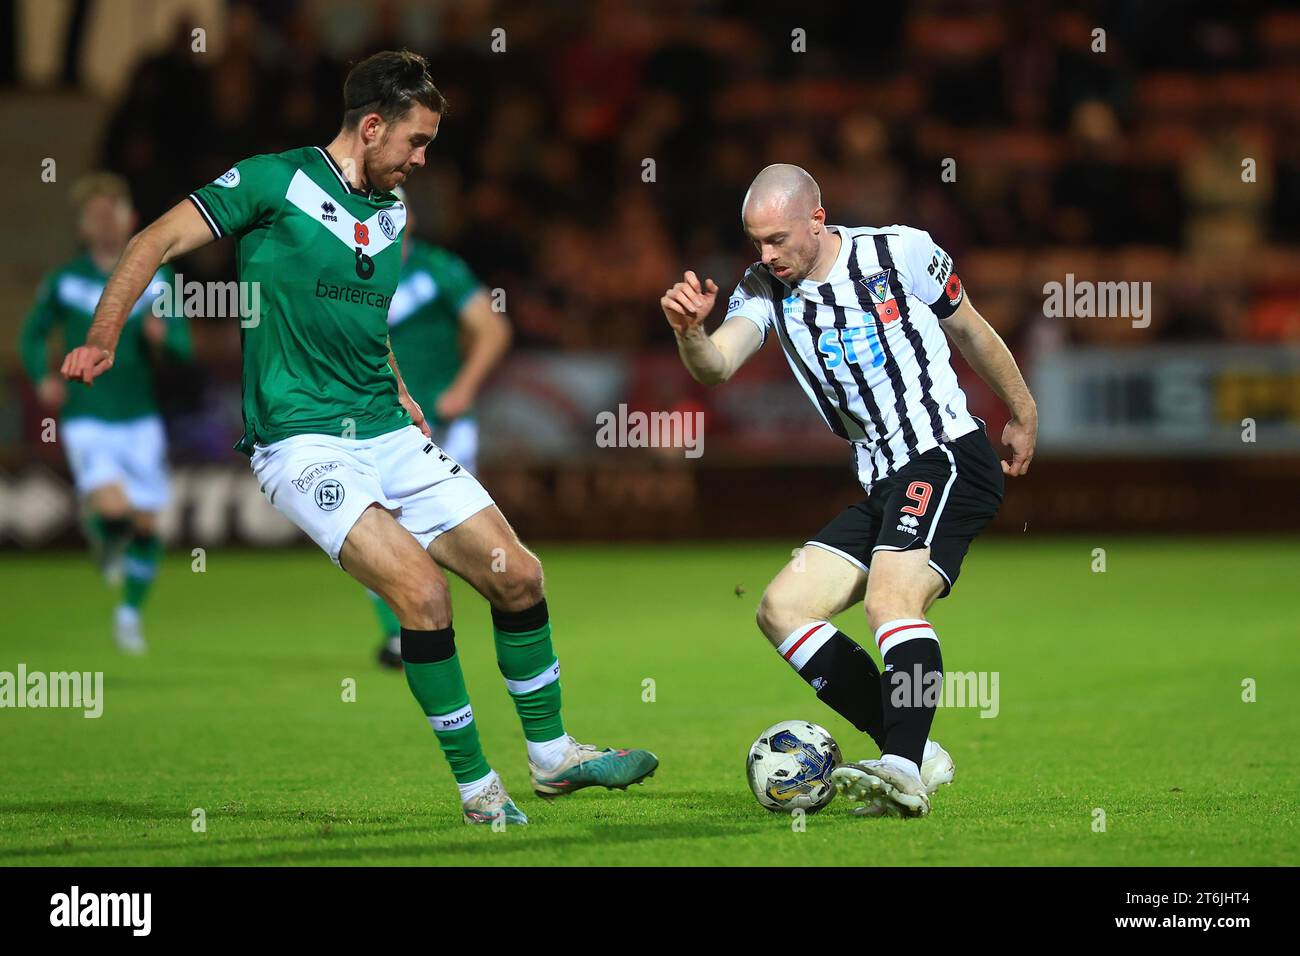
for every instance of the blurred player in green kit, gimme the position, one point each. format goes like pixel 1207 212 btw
pixel 447 338
pixel 114 439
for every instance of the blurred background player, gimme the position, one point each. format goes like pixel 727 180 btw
pixel 447 339
pixel 115 442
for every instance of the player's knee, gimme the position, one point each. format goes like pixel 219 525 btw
pixel 883 608
pixel 776 618
pixel 422 604
pixel 518 585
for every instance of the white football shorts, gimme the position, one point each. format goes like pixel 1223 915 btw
pixel 322 484
pixel 132 454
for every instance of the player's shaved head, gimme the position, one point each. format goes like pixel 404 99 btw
pixel 784 189
pixel 783 217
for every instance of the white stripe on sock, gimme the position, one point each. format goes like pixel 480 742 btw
pixel 893 633
pixel 456 720
pixel 805 641
pixel 548 676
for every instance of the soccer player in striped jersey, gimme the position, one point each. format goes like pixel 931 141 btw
pixel 860 313
pixel 447 338
pixel 336 441
pixel 113 437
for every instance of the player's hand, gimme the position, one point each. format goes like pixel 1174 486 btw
pixel 1020 437
pixel 86 363
pixel 52 392
pixel 687 303
pixel 413 409
pixel 453 403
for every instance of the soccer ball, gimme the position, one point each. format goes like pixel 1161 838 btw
pixel 790 766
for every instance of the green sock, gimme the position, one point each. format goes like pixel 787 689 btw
pixel 531 670
pixel 388 623
pixel 141 566
pixel 108 533
pixel 433 673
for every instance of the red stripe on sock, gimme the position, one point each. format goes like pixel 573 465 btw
pixel 811 631
pixel 905 627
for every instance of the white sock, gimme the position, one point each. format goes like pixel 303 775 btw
pixel 902 763
pixel 548 754
pixel 931 750
pixel 468 791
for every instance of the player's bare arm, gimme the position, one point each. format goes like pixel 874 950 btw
pixel 411 405
pixel 489 334
pixel 711 359
pixel 178 231
pixel 989 356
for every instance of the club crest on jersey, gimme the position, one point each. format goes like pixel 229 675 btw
pixel 877 285
pixel 229 179
pixel 387 225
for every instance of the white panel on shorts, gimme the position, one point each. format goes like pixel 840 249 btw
pixel 132 454
pixel 323 483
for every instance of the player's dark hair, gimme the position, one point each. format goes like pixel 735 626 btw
pixel 389 83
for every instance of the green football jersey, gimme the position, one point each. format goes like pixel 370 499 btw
pixel 66 304
pixel 325 258
pixel 424 321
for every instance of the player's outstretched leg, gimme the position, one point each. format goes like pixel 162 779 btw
pixel 390 632
pixel 485 552
pixel 795 615
pixel 902 585
pixel 383 556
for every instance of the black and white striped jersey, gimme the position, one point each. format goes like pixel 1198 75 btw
pixel 866 346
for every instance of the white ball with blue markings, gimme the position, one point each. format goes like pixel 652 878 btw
pixel 790 764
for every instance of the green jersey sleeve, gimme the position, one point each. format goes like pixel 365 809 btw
pixel 41 320
pixel 245 196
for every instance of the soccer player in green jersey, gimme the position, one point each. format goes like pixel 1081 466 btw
pixel 440 304
pixel 337 442
pixel 114 439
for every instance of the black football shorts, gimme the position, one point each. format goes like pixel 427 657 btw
pixel 939 500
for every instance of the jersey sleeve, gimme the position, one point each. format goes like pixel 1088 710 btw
pixel 751 301
pixel 930 274
pixel 40 321
pixel 242 197
pixel 455 280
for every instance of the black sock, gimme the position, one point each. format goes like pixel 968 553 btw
pixel 846 680
pixel 910 686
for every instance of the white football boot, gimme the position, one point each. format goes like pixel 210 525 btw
pixel 937 769
pixel 126 631
pixel 901 791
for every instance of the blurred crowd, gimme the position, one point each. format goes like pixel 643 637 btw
pixel 609 144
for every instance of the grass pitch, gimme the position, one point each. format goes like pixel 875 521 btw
pixel 1119 692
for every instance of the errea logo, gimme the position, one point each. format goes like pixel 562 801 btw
pixel 327 212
